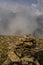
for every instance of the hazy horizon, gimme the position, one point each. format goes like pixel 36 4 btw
pixel 21 17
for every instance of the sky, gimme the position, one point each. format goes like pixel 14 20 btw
pixel 26 1
pixel 21 17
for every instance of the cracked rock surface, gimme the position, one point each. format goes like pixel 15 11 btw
pixel 21 50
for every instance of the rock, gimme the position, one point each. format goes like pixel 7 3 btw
pixel 29 43
pixel 7 62
pixel 13 57
pixel 39 56
pixel 21 50
pixel 27 36
pixel 26 60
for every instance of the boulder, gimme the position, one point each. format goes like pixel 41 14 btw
pixel 13 57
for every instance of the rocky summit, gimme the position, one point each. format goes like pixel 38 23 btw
pixel 21 50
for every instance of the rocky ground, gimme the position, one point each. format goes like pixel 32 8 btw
pixel 21 50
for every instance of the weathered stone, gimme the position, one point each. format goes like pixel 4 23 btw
pixel 26 60
pixel 13 57
pixel 29 59
pixel 21 50
pixel 7 62
pixel 29 43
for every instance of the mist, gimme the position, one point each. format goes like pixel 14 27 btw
pixel 39 31
pixel 20 19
